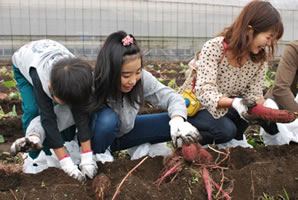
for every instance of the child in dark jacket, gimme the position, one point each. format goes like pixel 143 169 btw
pixel 54 87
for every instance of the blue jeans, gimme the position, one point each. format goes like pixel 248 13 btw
pixel 231 126
pixel 152 128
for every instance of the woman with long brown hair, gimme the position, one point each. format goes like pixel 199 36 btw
pixel 231 67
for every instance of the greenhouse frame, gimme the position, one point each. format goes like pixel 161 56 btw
pixel 165 29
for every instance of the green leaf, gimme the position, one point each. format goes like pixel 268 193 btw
pixel 2 140
pixel 269 79
pixel 161 80
pixel 183 67
pixel 13 113
pixel 42 184
pixel 3 70
pixel 11 75
pixel 252 142
pixel 172 83
pixel 1 112
pixel 172 71
pixel 150 66
pixel 15 95
pixel 267 84
pixel 286 193
pixel 9 84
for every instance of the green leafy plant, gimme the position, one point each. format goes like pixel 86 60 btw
pixel 15 95
pixel 2 140
pixel 12 113
pixel 161 80
pixel 172 83
pixel 279 197
pixel 9 84
pixel 121 154
pixel 1 112
pixel 150 66
pixel 269 79
pixel 255 140
pixel 183 68
pixel 11 75
pixel 3 70
pixel 172 71
pixel 266 197
pixel 286 193
pixel 42 184
pixel 194 179
pixel 253 136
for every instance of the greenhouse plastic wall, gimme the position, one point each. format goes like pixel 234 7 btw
pixel 165 29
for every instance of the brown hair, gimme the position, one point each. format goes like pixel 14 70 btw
pixel 262 17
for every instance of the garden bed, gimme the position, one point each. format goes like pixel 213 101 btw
pixel 246 173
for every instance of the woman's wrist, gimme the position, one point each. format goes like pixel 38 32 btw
pixel 225 102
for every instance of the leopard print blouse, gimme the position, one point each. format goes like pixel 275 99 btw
pixel 217 80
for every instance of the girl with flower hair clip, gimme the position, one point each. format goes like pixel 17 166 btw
pixel 121 88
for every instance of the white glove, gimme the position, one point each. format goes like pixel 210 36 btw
pixel 26 144
pixel 184 130
pixel 71 169
pixel 239 107
pixel 88 166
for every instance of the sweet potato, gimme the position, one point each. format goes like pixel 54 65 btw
pixel 189 152
pixel 194 152
pixel 207 181
pixel 272 115
pixel 101 183
pixel 204 155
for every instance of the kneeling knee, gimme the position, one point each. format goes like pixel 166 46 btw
pixel 105 121
pixel 227 134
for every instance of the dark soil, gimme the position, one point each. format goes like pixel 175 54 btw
pixel 248 173
pixel 251 173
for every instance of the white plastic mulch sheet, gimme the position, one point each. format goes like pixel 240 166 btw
pixel 287 131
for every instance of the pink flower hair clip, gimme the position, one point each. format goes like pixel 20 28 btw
pixel 127 41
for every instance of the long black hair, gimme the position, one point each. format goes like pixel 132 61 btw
pixel 107 72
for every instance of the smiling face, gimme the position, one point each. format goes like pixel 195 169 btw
pixel 261 41
pixel 131 73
